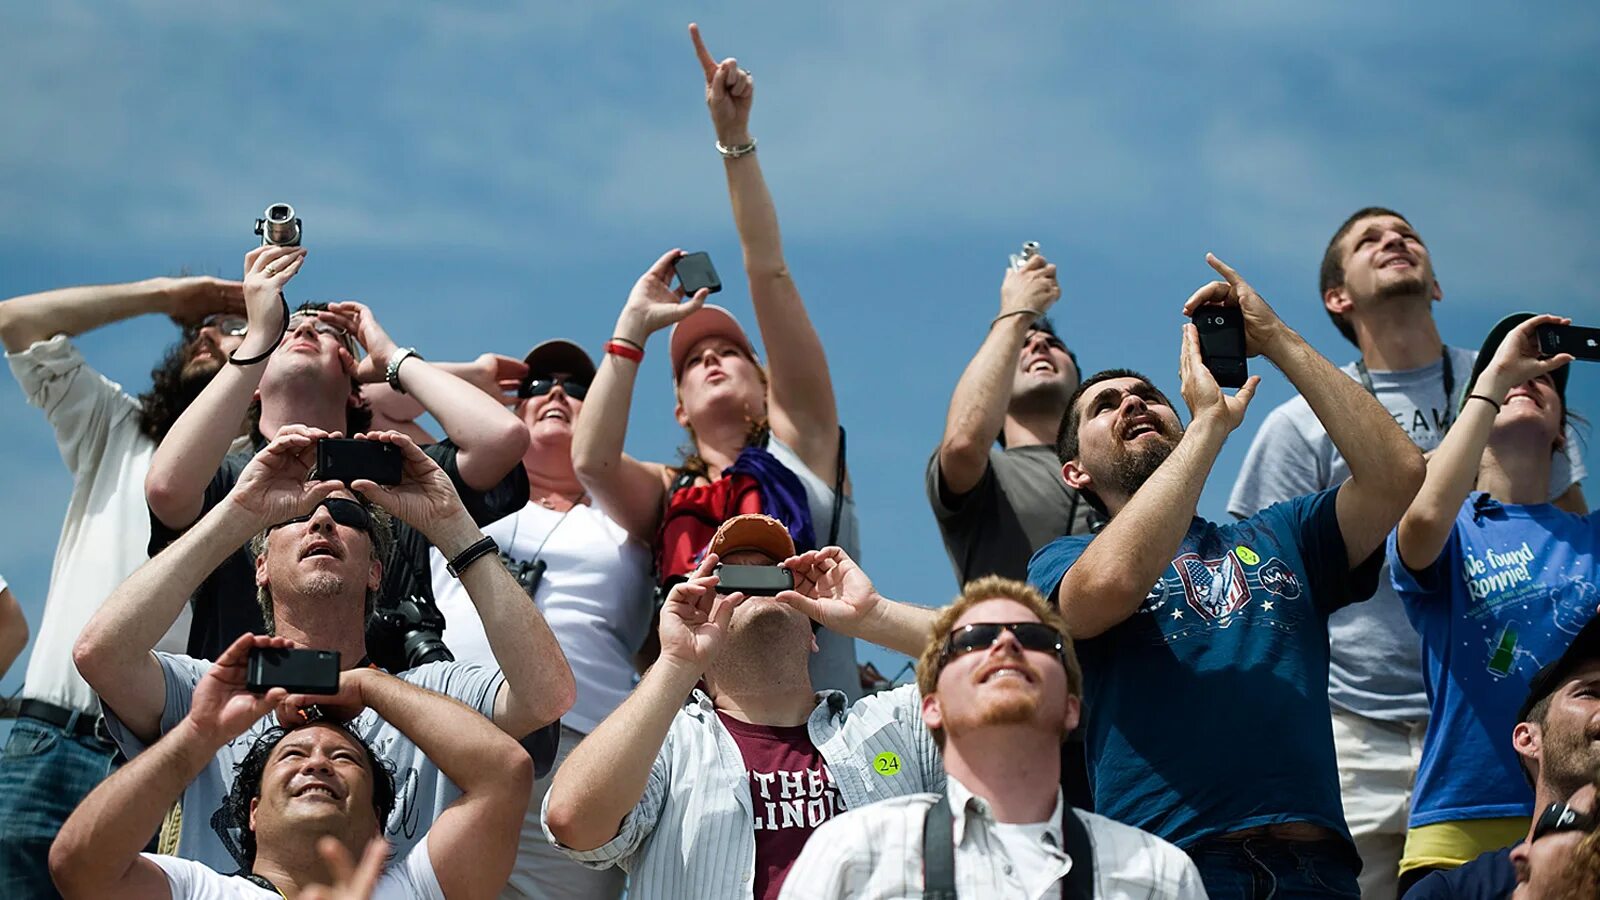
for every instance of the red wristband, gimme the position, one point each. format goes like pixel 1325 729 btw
pixel 616 348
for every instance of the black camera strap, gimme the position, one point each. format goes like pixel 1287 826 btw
pixel 260 882
pixel 838 495
pixel 939 854
pixel 1449 382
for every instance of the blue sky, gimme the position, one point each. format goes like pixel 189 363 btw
pixel 490 175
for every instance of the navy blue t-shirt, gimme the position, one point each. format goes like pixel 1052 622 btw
pixel 1491 876
pixel 1206 711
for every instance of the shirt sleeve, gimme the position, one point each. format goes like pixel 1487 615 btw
pixel 1567 468
pixel 473 684
pixel 636 826
pixel 227 475
pixel 413 877
pixel 1313 520
pixel 1050 564
pixel 81 405
pixel 180 674
pixel 1189 885
pixel 505 498
pixel 1280 464
pixel 1432 578
pixel 949 506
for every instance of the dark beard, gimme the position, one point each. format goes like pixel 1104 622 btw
pixel 1132 468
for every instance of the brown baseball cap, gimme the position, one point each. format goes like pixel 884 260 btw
pixel 753 531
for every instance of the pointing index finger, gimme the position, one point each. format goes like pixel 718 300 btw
pixel 706 61
pixel 1225 270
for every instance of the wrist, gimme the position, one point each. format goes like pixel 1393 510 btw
pixel 1280 341
pixel 456 533
pixel 678 672
pixel 734 137
pixel 630 328
pixel 199 741
pixel 1492 384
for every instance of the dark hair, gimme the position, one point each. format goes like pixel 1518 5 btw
pixel 169 394
pixel 1067 435
pixel 235 809
pixel 357 414
pixel 1332 275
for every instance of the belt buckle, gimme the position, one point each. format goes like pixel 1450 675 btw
pixel 102 731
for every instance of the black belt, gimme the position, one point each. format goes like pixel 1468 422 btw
pixel 88 725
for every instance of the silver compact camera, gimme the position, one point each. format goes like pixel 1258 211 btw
pixel 278 226
pixel 1030 249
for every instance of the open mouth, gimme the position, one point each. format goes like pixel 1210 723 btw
pixel 1041 367
pixel 320 548
pixel 1399 262
pixel 1005 671
pixel 1140 427
pixel 555 413
pixel 316 789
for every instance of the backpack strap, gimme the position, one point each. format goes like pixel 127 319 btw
pixel 1079 883
pixel 938 852
pixel 838 497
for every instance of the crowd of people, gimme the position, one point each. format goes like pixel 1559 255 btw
pixel 563 672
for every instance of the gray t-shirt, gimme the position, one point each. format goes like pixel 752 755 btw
pixel 421 790
pixel 1020 504
pixel 1375 668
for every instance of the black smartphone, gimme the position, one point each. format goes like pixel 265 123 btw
pixel 347 459
pixel 1222 343
pixel 755 581
pixel 1582 343
pixel 298 671
pixel 695 272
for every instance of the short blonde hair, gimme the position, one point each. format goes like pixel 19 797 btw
pixel 980 590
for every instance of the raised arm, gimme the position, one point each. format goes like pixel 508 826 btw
pixel 113 652
pixel 1385 467
pixel 186 459
pixel 473 842
pixel 833 590
pixel 978 406
pixel 803 411
pixel 605 777
pixel 538 684
pixel 1110 580
pixel 1453 469
pixel 495 375
pixel 96 853
pixel 630 491
pixel 13 628
pixel 31 318
pixel 490 438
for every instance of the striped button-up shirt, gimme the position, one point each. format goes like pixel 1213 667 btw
pixel 875 853
pixel 692 834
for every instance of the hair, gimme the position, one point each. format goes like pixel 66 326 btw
pixel 690 462
pixel 1332 274
pixel 991 587
pixel 169 394
pixel 382 535
pixel 1067 435
pixel 357 414
pixel 1043 323
pixel 247 783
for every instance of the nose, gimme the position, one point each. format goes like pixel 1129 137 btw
pixel 322 520
pixel 306 324
pixel 1132 404
pixel 1006 643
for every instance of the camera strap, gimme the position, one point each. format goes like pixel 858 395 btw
pixel 1449 383
pixel 260 882
pixel 939 854
pixel 838 495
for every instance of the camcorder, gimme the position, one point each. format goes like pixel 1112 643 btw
pixel 278 226
pixel 1030 249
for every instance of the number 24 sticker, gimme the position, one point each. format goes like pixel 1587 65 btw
pixel 886 763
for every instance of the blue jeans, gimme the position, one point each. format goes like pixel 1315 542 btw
pixel 1265 868
pixel 44 773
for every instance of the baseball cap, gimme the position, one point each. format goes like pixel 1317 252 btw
pixel 707 321
pixel 560 355
pixel 1584 647
pixel 753 531
pixel 1491 345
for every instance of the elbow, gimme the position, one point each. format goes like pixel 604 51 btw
pixel 518 769
pixel 564 819
pixel 165 495
pixel 68 863
pixel 11 328
pixel 767 270
pixel 509 438
pixel 87 652
pixel 558 700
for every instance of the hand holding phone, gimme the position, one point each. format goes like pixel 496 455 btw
pixel 754 581
pixel 1582 343
pixel 348 459
pixel 1222 343
pixel 297 671
pixel 694 271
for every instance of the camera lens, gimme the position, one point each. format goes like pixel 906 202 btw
pixel 280 212
pixel 1216 320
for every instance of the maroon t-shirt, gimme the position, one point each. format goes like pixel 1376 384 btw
pixel 791 793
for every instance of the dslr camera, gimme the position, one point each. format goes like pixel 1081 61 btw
pixel 409 634
pixel 279 226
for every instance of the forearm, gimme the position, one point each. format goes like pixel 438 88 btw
pixel 902 627
pixel 1452 471
pixel 605 776
pixel 35 317
pixel 1115 572
pixel 100 842
pixel 187 459
pixel 490 438
pixel 13 630
pixel 465 745
pixel 629 491
pixel 539 686
pixel 978 405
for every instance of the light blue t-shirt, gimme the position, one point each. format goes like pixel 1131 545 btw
pixel 1510 589
pixel 1207 709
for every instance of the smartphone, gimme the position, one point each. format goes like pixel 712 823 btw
pixel 1582 343
pixel 756 581
pixel 1222 343
pixel 695 272
pixel 347 459
pixel 298 671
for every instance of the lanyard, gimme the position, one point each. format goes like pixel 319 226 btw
pixel 1449 382
pixel 260 882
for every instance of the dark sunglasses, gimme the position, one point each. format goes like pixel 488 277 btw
pixel 983 635
pixel 344 512
pixel 1560 817
pixel 538 387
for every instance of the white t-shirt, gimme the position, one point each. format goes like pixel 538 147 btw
pixel 596 595
pixel 107 525
pixel 1025 847
pixel 410 878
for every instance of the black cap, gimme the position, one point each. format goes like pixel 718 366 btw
pixel 561 356
pixel 1584 647
pixel 1491 346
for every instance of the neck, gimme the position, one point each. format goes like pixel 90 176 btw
pixel 1516 473
pixel 760 692
pixel 1544 794
pixel 1005 765
pixel 720 443
pixel 290 871
pixel 325 623
pixel 313 408
pixel 1027 430
pixel 552 476
pixel 1398 335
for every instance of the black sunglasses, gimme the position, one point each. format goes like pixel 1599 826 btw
pixel 983 635
pixel 344 512
pixel 1560 817
pixel 538 387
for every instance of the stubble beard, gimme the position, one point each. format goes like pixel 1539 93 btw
pixel 1132 468
pixel 1569 763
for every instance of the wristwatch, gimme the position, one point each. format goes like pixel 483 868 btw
pixel 391 373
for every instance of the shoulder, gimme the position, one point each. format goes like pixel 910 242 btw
pixel 1113 838
pixel 863 825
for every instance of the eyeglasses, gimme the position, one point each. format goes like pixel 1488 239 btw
pixel 538 387
pixel 983 635
pixel 344 512
pixel 1560 817
pixel 324 327
pixel 226 324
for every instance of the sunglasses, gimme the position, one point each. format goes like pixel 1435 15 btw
pixel 226 324
pixel 344 512
pixel 324 327
pixel 983 635
pixel 538 387
pixel 1560 817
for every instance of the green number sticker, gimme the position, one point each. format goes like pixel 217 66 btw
pixel 886 763
pixel 1246 555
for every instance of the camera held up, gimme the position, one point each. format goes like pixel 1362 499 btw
pixel 279 226
pixel 1030 249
